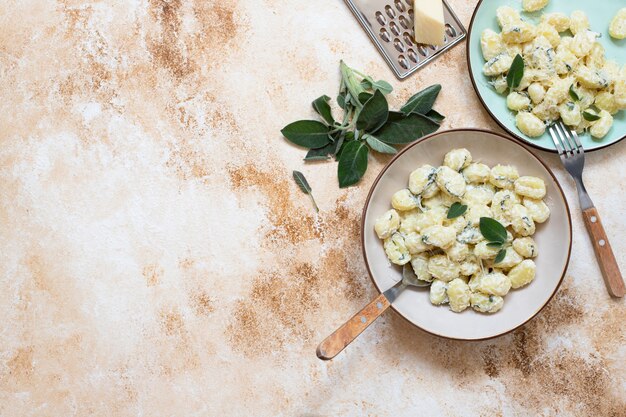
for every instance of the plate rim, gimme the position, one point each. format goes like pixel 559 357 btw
pixel 468 43
pixel 433 136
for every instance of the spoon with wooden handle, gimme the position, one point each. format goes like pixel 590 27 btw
pixel 344 335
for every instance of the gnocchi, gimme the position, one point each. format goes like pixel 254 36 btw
pixel 533 5
pixel 564 75
pixel 617 28
pixel 452 254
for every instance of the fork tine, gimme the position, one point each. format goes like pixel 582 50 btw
pixel 569 137
pixel 577 140
pixel 569 150
pixel 555 139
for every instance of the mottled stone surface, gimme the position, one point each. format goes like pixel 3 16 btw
pixel 156 258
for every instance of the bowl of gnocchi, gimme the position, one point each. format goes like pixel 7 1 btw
pixel 533 62
pixel 480 221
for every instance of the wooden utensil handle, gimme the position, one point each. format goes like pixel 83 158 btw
pixel 343 336
pixel 608 265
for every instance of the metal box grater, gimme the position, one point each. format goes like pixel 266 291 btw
pixel 389 23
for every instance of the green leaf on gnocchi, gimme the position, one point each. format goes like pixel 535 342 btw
pixel 456 210
pixel 495 244
pixel 516 72
pixel 500 256
pixel 590 117
pixel 492 230
pixel 573 94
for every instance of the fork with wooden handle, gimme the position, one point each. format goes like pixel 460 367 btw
pixel 344 335
pixel 573 157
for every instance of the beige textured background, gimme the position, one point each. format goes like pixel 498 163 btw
pixel 156 258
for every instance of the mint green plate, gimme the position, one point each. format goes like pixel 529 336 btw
pixel 600 13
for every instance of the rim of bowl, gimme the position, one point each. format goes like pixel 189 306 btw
pixel 515 143
pixel 502 125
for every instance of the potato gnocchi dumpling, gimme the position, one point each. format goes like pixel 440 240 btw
pixel 403 200
pixel 442 268
pixel 438 292
pixel 450 181
pixel 387 224
pixel 617 28
pixel 476 173
pixel 486 303
pixel 565 73
pixel 458 295
pixel 533 5
pixel 537 209
pixel 396 249
pixel 420 267
pixel 421 179
pixel 457 159
pixel 478 194
pixel 452 254
pixel 522 274
pixel 525 246
pixel 495 283
pixel 532 187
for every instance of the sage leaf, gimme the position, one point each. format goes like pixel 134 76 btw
pixel 352 163
pixel 304 186
pixel 435 115
pixel 500 256
pixel 590 117
pixel 349 136
pixel 374 113
pixel 382 86
pixel 321 153
pixel 423 101
pixel 399 130
pixel 379 146
pixel 369 84
pixel 573 94
pixel 456 210
pixel 307 133
pixel 363 97
pixel 301 181
pixel 341 101
pixel 349 78
pixel 492 230
pixel 516 72
pixel 321 106
pixel 495 244
pixel 331 149
pixel 313 158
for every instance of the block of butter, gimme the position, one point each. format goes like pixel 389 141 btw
pixel 429 23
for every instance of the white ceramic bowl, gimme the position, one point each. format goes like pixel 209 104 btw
pixel 554 237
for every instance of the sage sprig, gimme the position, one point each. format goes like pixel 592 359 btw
pixel 495 234
pixel 299 178
pixel 366 125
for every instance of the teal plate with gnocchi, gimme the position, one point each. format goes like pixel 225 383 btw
pixel 574 70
